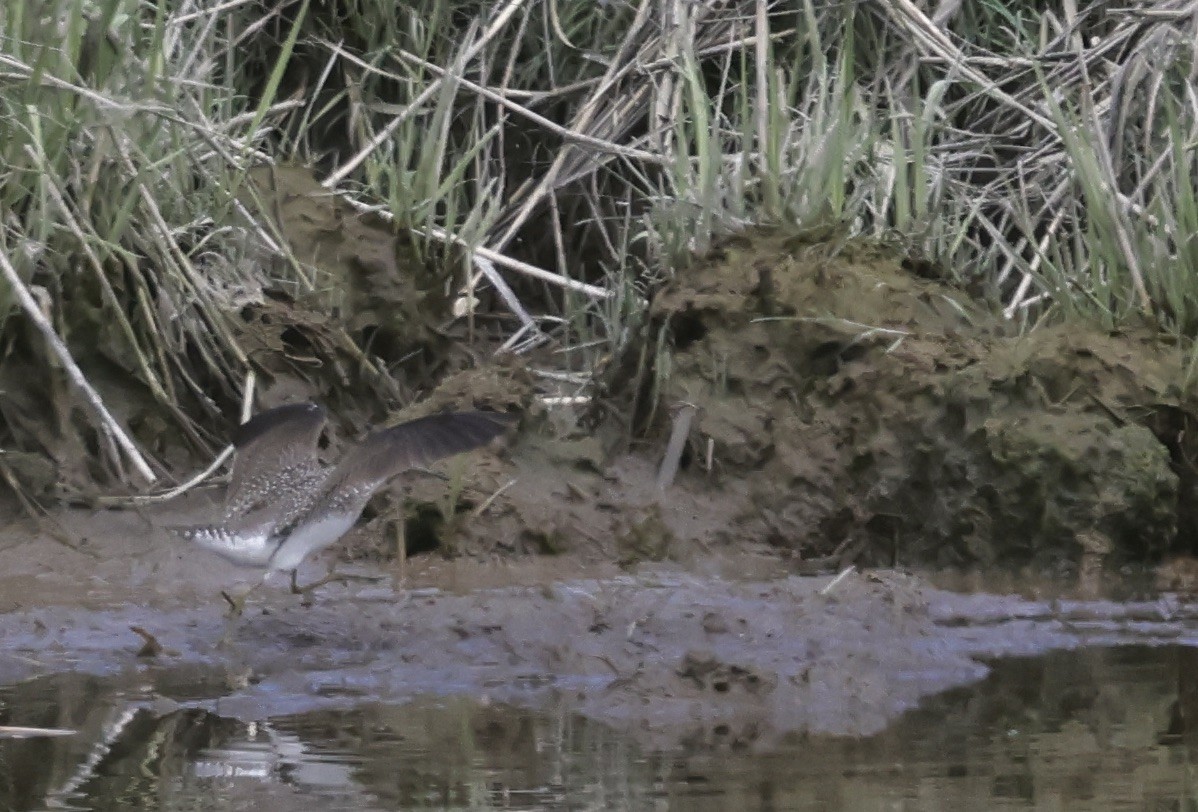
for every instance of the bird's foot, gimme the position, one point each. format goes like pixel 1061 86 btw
pixel 236 603
pixel 236 609
pixel 342 577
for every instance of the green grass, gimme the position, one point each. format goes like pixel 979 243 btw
pixel 577 153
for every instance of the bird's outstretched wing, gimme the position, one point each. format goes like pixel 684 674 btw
pixel 275 453
pixel 388 452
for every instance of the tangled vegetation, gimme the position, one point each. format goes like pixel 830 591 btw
pixel 539 167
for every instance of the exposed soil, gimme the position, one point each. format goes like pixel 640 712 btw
pixel 868 412
pixel 736 658
pixel 845 411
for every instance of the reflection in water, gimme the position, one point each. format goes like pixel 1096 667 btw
pixel 1090 729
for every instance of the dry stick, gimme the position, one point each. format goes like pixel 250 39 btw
pixel 556 24
pixel 490 500
pixel 1020 296
pixel 18 732
pixel 179 489
pixel 582 120
pixel 513 61
pixel 502 99
pixel 1012 254
pixel 247 396
pixel 533 271
pixel 559 241
pixel 487 268
pixel 26 73
pixel 585 164
pixel 667 92
pixel 594 291
pixel 497 25
pixel 245 118
pixel 247 408
pixel 111 427
pixel 683 417
pixel 761 55
pixel 909 16
pixel 835 582
pixel 180 19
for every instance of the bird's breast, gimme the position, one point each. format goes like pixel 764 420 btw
pixel 309 537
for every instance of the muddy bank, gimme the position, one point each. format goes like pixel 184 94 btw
pixel 864 413
pixel 671 655
pixel 848 407
pixel 845 409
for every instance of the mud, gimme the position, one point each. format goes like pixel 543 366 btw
pixel 848 408
pixel 850 411
pixel 866 413
pixel 742 657
pixel 847 411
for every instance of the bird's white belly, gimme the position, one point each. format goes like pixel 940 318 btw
pixel 310 537
pixel 246 549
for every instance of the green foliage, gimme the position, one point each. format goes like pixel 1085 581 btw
pixel 605 144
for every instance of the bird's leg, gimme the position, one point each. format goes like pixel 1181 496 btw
pixel 236 602
pixel 236 609
pixel 343 577
pixel 226 636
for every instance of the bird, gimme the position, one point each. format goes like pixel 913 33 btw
pixel 283 504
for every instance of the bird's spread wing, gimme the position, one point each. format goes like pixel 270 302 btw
pixel 275 449
pixel 391 451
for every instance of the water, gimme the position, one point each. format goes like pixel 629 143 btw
pixel 1093 729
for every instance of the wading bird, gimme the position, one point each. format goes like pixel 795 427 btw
pixel 283 504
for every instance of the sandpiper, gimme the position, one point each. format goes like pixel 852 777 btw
pixel 283 504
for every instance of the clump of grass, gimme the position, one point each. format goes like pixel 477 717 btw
pixel 120 145
pixel 566 154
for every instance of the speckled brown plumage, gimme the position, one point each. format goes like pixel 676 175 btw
pixel 283 504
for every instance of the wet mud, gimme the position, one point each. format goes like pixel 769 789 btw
pixel 739 658
pixel 843 411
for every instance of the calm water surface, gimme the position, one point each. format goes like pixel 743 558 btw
pixel 1088 730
